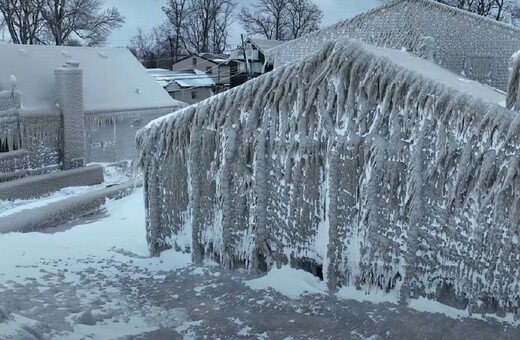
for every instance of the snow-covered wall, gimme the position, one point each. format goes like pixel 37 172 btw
pixel 464 42
pixel 350 164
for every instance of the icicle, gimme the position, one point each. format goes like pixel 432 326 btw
pixel 513 87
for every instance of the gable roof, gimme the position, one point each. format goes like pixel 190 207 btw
pixel 218 58
pixel 113 79
pixel 339 29
pixel 201 56
pixel 265 44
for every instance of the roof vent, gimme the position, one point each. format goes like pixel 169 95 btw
pixel 66 54
pixel 103 55
pixel 23 52
pixel 71 64
pixel 138 91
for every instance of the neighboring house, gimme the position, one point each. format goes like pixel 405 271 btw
pixel 463 42
pixel 188 86
pixel 253 63
pixel 216 66
pixel 62 107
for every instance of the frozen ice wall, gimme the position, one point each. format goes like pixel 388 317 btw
pixel 348 164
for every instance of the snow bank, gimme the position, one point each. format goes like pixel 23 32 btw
pixel 290 282
pixel 351 165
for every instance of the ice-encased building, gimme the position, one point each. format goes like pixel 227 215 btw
pixel 370 166
pixel 458 40
pixel 378 168
pixel 61 107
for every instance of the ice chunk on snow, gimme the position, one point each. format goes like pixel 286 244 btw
pixel 289 282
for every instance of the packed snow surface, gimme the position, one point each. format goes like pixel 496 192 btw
pixel 95 280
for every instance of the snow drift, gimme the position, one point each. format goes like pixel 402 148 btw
pixel 350 165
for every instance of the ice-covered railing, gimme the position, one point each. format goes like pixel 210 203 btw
pixel 26 132
pixel 9 130
pixel 349 165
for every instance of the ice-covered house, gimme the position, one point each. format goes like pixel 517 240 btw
pixel 368 166
pixel 62 107
pixel 463 42
pixel 371 166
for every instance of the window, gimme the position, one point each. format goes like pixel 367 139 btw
pixel 194 61
pixel 193 94
pixel 209 70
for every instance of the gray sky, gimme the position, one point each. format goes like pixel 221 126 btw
pixel 148 13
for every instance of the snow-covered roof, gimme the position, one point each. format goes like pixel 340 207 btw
pixel 420 68
pixel 113 79
pixel 439 74
pixel 187 78
pixel 215 57
pixel 265 44
pixel 366 27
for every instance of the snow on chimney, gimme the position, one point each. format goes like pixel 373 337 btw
pixel 69 95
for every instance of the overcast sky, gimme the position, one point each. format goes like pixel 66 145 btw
pixel 148 13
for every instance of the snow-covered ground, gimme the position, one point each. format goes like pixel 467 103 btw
pixel 96 281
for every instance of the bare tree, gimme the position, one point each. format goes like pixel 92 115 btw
pixel 144 47
pixel 59 22
pixel 281 19
pixel 207 26
pixel 268 18
pixel 198 25
pixel 304 17
pixel 85 18
pixel 23 20
pixel 177 13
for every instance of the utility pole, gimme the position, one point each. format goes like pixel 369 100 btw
pixel 245 57
pixel 218 77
